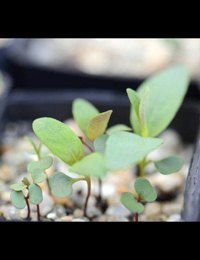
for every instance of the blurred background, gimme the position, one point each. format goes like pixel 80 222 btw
pixel 126 58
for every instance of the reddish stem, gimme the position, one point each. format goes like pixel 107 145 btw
pixel 90 148
pixel 38 212
pixel 28 207
pixel 136 215
pixel 88 196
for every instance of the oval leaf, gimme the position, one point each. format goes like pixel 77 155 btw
pixel 18 186
pixel 83 112
pixel 38 175
pixel 18 200
pixel 129 201
pixel 169 165
pixel 126 149
pixel 61 185
pixel 100 143
pixel 145 190
pixel 92 165
pixel 60 139
pixel 35 194
pixel 118 128
pixel 167 91
pixel 98 125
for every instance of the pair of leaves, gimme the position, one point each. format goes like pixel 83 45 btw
pixel 146 193
pixel 157 100
pixel 17 196
pixel 60 139
pixel 37 169
pixel 91 122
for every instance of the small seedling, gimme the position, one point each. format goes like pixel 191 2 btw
pixel 153 107
pixel 145 193
pixel 25 192
pixel 67 146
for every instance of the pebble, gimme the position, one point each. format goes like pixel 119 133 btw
pixel 68 218
pixel 152 210
pixel 78 213
pixel 52 215
pixel 172 208
pixel 174 217
pixel 47 204
pixel 109 218
pixel 117 210
pixel 80 220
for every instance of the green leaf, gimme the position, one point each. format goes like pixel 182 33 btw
pixel 129 201
pixel 38 175
pixel 18 187
pixel 169 165
pixel 83 112
pixel 143 112
pixel 126 149
pixel 167 91
pixel 100 143
pixel 98 125
pixel 37 169
pixel 61 185
pixel 60 139
pixel 134 99
pixel 17 199
pixel 92 165
pixel 25 181
pixel 35 194
pixel 118 128
pixel 145 190
pixel 135 122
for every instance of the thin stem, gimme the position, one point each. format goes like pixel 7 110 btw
pixel 100 190
pixel 90 148
pixel 88 180
pixel 136 217
pixel 78 179
pixel 38 212
pixel 142 166
pixel 28 208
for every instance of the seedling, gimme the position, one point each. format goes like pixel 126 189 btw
pixel 67 146
pixel 25 192
pixel 145 193
pixel 93 124
pixel 153 107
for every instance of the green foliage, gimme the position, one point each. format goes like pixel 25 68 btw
pixel 18 187
pixel 60 139
pixel 125 149
pixel 100 143
pixel 83 112
pixel 61 185
pixel 92 165
pixel 118 128
pixel 145 190
pixel 98 125
pixel 167 90
pixel 17 199
pixel 35 194
pixel 91 122
pixel 169 165
pixel 129 201
pixel 37 169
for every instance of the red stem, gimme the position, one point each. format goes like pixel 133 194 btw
pixel 38 212
pixel 28 208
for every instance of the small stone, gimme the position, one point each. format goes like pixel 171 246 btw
pixel 78 213
pixel 117 210
pixel 167 186
pixel 68 218
pixel 6 196
pixel 109 218
pixel 80 220
pixel 174 217
pixel 93 211
pixel 171 208
pixel 7 173
pixel 152 209
pixel 47 204
pixel 51 215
